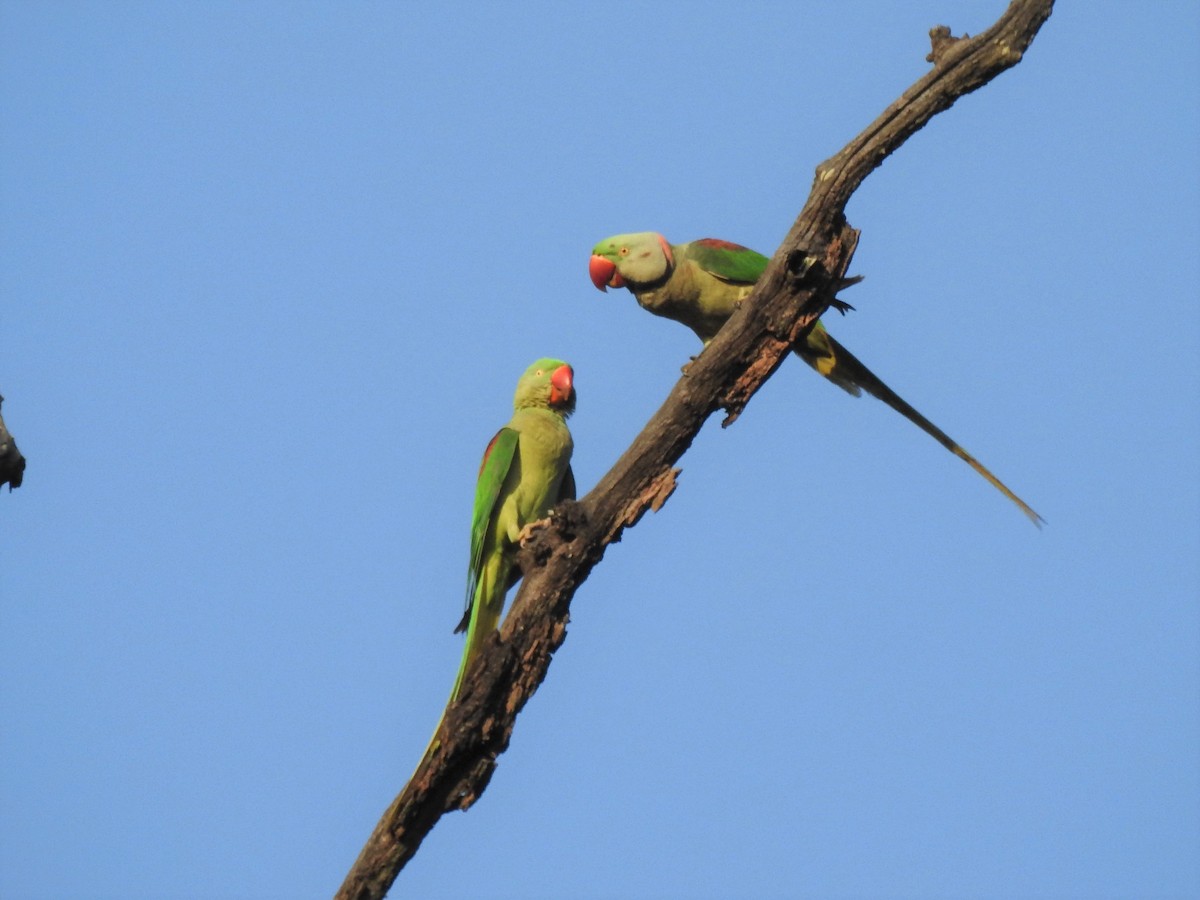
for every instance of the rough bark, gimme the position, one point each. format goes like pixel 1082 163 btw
pixel 794 291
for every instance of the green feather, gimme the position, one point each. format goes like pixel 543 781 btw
pixel 526 470
pixel 497 459
pixel 727 261
pixel 700 284
pixel 524 473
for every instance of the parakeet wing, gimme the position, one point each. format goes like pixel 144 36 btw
pixel 728 261
pixel 497 459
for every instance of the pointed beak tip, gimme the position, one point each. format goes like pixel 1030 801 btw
pixel 561 382
pixel 601 271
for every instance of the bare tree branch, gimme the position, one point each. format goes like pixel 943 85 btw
pixel 12 463
pixel 796 288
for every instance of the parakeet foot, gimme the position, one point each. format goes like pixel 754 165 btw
pixel 526 534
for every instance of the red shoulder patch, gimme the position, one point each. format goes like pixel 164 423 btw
pixel 488 452
pixel 718 244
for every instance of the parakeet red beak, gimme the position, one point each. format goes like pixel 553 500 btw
pixel 560 385
pixel 604 273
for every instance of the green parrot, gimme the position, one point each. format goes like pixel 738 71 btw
pixel 526 470
pixel 702 282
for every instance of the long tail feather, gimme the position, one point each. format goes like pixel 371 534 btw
pixel 484 617
pixel 847 368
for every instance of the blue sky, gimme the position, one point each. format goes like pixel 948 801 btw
pixel 269 273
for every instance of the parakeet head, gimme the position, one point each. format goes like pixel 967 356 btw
pixel 549 383
pixel 641 258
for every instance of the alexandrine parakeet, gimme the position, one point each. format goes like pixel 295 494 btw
pixel 526 470
pixel 701 283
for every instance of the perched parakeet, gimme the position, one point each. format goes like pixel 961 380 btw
pixel 701 283
pixel 526 470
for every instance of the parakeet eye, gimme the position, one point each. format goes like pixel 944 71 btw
pixel 541 371
pixel 624 251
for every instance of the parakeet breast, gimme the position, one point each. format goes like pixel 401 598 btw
pixel 694 298
pixel 543 453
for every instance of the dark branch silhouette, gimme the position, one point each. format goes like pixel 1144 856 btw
pixel 794 291
pixel 12 463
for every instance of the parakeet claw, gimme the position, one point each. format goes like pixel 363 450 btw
pixel 526 534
